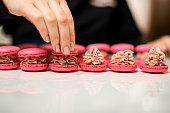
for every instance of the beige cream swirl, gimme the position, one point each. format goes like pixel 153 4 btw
pixel 155 57
pixel 93 57
pixel 123 58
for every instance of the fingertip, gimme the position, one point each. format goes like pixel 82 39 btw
pixel 54 48
pixel 66 50
pixel 72 46
pixel 57 48
pixel 47 39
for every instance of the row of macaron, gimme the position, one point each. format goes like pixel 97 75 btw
pixel 141 49
pixel 101 46
pixel 39 52
pixel 36 52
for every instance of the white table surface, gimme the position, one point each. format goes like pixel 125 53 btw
pixel 84 92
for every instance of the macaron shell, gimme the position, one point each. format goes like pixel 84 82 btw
pixel 8 50
pixel 100 46
pixel 122 68
pixel 32 52
pixel 27 45
pixel 47 47
pixel 153 69
pixel 33 67
pixel 86 67
pixel 121 47
pixel 9 66
pixel 75 52
pixel 79 60
pixel 50 58
pixel 63 68
pixel 107 59
pixel 144 47
pixel 139 61
pixel 80 48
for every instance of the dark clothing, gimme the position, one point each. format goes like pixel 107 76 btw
pixel 92 24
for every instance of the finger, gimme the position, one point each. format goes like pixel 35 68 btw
pixel 35 16
pixel 62 25
pixel 166 42
pixel 66 9
pixel 51 23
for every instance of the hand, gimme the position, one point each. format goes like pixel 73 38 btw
pixel 163 43
pixel 52 18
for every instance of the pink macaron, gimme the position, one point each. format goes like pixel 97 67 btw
pixel 80 48
pixel 47 47
pixel 142 50
pixel 104 48
pixel 33 59
pixel 144 47
pixel 86 67
pixel 100 46
pixel 122 68
pixel 107 59
pixel 153 69
pixel 27 45
pixel 64 63
pixel 121 47
pixel 93 60
pixel 154 61
pixel 9 57
pixel 123 61
pixel 139 61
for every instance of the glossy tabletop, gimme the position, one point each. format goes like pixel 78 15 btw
pixel 84 92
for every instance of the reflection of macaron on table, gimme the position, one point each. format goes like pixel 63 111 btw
pixel 32 83
pixel 9 57
pixel 94 83
pixel 9 82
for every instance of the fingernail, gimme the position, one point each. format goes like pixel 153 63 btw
pixel 72 46
pixel 57 48
pixel 47 39
pixel 66 50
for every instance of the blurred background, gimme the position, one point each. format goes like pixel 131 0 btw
pixel 151 16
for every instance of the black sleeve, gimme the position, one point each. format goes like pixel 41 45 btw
pixel 128 28
pixel 5 15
